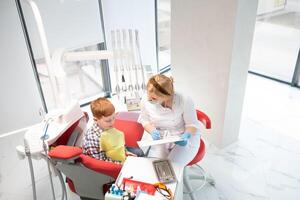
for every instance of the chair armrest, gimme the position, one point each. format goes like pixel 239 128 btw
pixel 65 153
pixel 108 168
pixel 204 119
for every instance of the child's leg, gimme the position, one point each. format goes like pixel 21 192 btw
pixel 135 150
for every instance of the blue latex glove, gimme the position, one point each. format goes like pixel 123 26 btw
pixel 185 136
pixel 155 134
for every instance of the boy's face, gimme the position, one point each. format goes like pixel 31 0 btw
pixel 106 122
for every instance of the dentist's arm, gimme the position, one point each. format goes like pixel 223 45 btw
pixel 190 129
pixel 190 120
pixel 150 128
pixel 144 119
pixel 190 116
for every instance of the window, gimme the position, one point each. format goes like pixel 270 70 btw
pixel 71 26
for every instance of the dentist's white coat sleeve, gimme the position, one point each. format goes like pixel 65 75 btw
pixel 189 113
pixel 144 118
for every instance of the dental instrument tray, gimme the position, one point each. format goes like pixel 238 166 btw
pixel 164 171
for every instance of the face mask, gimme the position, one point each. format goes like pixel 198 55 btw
pixel 155 102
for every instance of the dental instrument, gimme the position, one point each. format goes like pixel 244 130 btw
pixel 126 60
pixel 115 60
pixel 143 85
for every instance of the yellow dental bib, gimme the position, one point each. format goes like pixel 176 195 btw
pixel 112 141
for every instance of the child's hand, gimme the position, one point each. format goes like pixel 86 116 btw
pixel 130 154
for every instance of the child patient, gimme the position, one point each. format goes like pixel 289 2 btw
pixel 102 141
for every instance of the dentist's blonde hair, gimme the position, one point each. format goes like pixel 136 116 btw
pixel 160 85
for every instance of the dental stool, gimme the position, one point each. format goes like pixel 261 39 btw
pixel 204 119
pixel 86 176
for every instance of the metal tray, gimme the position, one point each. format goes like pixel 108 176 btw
pixel 164 171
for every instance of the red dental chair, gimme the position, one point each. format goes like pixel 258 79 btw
pixel 205 120
pixel 86 175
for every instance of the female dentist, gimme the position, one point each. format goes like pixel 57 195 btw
pixel 162 110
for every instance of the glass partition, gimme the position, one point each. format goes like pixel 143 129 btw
pixel 276 39
pixel 164 34
pixel 69 26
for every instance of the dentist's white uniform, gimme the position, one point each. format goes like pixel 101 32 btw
pixel 182 114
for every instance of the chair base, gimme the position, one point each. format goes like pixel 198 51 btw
pixel 88 183
pixel 203 176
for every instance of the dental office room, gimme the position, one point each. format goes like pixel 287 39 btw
pixel 201 99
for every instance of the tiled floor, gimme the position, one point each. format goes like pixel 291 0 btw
pixel 263 164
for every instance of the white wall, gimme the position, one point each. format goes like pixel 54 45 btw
pixel 20 100
pixel 68 24
pixel 211 42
